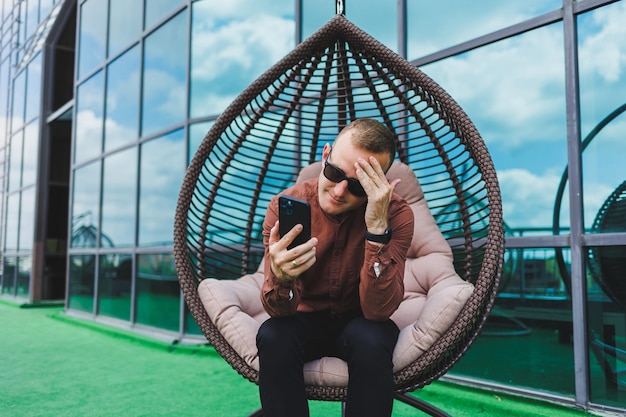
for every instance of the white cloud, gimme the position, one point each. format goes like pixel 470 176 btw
pixel 211 103
pixel 234 9
pixel 164 95
pixel 603 52
pixel 505 90
pixel 88 124
pixel 595 194
pixel 160 184
pixel 528 199
pixel 444 23
pixel 117 133
pixel 514 89
pixel 249 44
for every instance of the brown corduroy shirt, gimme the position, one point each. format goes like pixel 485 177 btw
pixel 343 279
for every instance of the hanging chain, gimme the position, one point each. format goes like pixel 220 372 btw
pixel 340 7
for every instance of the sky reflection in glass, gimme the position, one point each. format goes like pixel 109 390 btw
pixel 162 171
pixel 165 66
pixel 122 112
pixel 119 187
pixel 232 45
pixel 519 109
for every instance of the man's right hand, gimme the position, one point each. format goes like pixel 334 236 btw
pixel 286 263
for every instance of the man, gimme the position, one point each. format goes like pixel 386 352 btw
pixel 334 294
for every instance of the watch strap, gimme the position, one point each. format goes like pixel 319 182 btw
pixel 383 238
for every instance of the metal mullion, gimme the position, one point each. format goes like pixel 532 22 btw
pixel 182 314
pixel 574 147
pixel 402 29
pixel 604 239
pixel 517 29
pixel 299 20
pixel 548 241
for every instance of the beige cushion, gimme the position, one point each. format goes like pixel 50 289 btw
pixel 236 310
pixel 434 294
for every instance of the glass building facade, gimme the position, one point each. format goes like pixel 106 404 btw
pixel 103 103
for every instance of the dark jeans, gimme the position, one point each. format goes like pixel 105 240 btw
pixel 285 344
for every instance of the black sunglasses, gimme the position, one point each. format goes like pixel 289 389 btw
pixel 336 175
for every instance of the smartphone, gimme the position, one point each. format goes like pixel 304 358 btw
pixel 293 211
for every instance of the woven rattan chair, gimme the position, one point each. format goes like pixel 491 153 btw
pixel 278 126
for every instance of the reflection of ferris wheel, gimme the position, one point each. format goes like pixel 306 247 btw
pixel 606 263
pixel 605 280
pixel 85 234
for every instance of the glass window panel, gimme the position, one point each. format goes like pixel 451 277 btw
pixel 124 23
pixel 122 102
pixel 158 292
pixel 114 286
pixel 197 132
pixel 158 9
pixel 21 28
pixel 32 16
pixel 82 282
pixel 377 18
pixel 232 46
pixel 607 324
pixel 8 275
pixel 25 266
pixel 160 184
pixel 604 180
pixel 89 118
pixel 603 116
pixel 13 221
pixel 432 26
pixel 44 7
pixel 92 36
pixel 519 109
pixel 33 90
pixel 27 220
pixel 314 16
pixel 19 97
pixel 191 327
pixel 119 196
pixel 4 94
pixel 165 68
pixel 15 161
pixel 86 206
pixel 31 154
pixel 531 322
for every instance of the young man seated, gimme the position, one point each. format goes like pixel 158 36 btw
pixel 334 294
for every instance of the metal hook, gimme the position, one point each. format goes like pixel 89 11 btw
pixel 340 7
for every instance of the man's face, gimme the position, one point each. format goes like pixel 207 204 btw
pixel 335 197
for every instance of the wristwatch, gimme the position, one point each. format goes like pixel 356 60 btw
pixel 384 238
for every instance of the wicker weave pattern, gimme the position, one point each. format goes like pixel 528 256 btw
pixel 279 125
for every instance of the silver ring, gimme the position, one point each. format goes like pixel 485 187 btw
pixel 295 265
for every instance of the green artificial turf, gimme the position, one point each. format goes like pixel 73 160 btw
pixel 53 365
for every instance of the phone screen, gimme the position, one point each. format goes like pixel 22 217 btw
pixel 293 211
